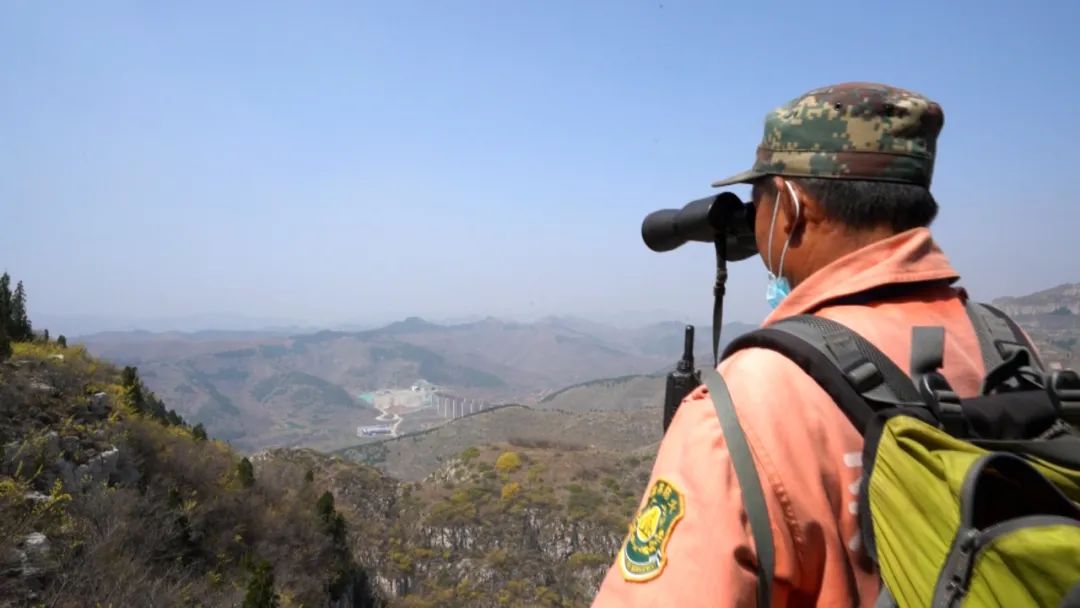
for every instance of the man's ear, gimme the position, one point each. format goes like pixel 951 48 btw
pixel 793 210
pixel 812 212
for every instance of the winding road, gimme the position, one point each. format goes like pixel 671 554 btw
pixel 385 417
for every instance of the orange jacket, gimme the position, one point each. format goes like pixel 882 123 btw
pixel 808 456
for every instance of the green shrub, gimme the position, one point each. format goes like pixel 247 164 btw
pixel 585 560
pixel 583 502
pixel 246 473
pixel 260 589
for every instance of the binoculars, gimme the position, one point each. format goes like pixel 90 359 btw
pixel 728 223
pixel 722 219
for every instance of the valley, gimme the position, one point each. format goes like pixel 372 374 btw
pixel 332 390
pixel 259 391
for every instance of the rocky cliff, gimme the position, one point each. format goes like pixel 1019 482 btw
pixel 1060 300
pixel 1052 319
pixel 498 525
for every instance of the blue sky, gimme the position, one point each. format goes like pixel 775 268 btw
pixel 356 162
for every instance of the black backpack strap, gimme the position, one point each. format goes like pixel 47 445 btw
pixel 857 376
pixel 999 336
pixel 742 460
pixel 927 351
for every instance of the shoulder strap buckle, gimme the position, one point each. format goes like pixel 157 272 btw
pixel 999 336
pixel 944 403
pixel 1008 348
pixel 1064 389
pixel 863 375
pixel 1014 373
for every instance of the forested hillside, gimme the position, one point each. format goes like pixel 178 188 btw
pixel 109 499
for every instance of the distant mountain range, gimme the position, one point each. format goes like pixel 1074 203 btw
pixel 263 390
pixel 266 389
pixel 1052 319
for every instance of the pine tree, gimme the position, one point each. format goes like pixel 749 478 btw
pixel 246 473
pixel 5 344
pixel 5 304
pixel 62 341
pixel 20 330
pixel 45 335
pixel 173 419
pixel 129 379
pixel 333 522
pixel 325 507
pixel 260 590
pixel 199 432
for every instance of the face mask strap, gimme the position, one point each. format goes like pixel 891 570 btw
pixel 772 228
pixel 798 211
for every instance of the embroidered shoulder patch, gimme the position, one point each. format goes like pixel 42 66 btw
pixel 643 556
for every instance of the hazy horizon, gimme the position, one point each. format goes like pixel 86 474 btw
pixel 84 325
pixel 362 163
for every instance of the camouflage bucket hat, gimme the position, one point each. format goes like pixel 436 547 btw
pixel 855 130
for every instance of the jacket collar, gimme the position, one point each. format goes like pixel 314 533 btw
pixel 908 257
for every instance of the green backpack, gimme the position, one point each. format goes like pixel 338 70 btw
pixel 963 502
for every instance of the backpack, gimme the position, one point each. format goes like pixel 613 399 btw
pixel 962 502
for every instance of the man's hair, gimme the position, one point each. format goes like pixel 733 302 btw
pixel 864 204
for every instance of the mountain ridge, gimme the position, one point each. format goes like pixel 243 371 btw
pixel 211 376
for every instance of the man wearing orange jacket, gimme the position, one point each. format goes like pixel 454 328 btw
pixel 842 209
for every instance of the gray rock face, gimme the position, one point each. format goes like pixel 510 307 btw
pixel 36 497
pixel 1060 298
pixel 66 471
pixel 52 442
pixel 34 552
pixel 103 466
pixel 11 562
pixel 99 469
pixel 69 444
pixel 99 404
pixel 391 587
pixel 454 538
pixel 36 545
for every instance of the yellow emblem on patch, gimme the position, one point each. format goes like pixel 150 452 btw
pixel 643 555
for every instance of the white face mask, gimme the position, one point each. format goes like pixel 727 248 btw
pixel 778 287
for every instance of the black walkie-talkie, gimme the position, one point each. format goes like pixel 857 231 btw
pixel 681 381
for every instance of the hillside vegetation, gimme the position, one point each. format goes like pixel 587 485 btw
pixel 107 498
pixel 103 495
pixel 514 524
pixel 415 456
